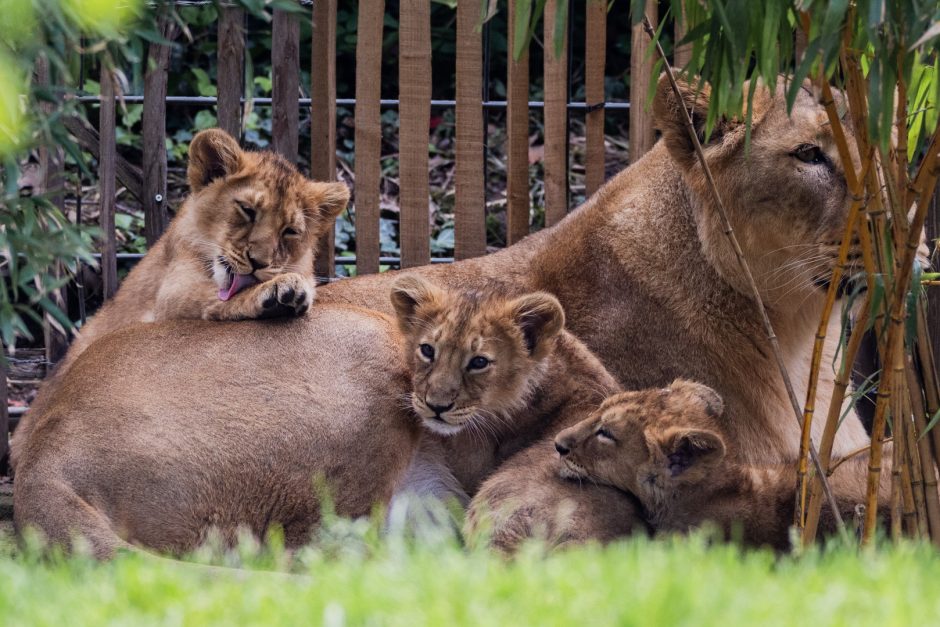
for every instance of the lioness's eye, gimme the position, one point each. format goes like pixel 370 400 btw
pixel 603 433
pixel 808 153
pixel 478 363
pixel 427 351
pixel 248 212
pixel 289 232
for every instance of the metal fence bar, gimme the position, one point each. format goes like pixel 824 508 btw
pixel 517 137
pixel 231 68
pixel 106 156
pixel 323 115
pixel 368 134
pixel 414 85
pixel 153 133
pixel 469 185
pixel 595 51
pixel 343 260
pixel 642 132
pixel 285 69
pixel 386 103
pixel 555 159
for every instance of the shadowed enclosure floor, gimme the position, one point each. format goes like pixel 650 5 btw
pixel 6 509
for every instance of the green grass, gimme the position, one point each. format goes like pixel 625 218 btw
pixel 635 582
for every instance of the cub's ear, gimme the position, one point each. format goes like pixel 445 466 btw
pixel 540 317
pixel 686 448
pixel 330 199
pixel 213 154
pixel 669 112
pixel 699 395
pixel 409 293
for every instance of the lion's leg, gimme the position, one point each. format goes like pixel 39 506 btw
pixel 54 509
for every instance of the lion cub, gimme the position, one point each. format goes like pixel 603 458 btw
pixel 666 447
pixel 491 374
pixel 240 247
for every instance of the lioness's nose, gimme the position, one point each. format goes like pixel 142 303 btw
pixel 561 448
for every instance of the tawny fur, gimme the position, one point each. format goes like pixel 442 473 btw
pixel 642 270
pixel 650 284
pixel 226 435
pixel 668 448
pixel 182 274
pixel 537 379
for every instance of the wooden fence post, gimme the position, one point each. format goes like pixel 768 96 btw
pixel 154 132
pixel 51 164
pixel 323 115
pixel 556 115
pixel 285 69
pixel 642 133
pixel 518 204
pixel 681 55
pixel 595 49
pixel 106 186
pixel 470 202
pixel 231 69
pixel 414 85
pixel 4 416
pixel 368 134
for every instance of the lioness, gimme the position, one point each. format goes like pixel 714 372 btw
pixel 145 473
pixel 490 375
pixel 667 447
pixel 643 270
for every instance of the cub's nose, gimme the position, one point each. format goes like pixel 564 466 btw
pixel 440 409
pixel 255 263
pixel 561 448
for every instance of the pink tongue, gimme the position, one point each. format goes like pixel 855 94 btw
pixel 239 282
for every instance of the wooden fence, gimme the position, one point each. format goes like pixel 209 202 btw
pixel 149 182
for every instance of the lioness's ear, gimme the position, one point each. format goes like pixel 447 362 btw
pixel 540 317
pixel 699 394
pixel 409 292
pixel 213 154
pixel 669 113
pixel 686 448
pixel 331 199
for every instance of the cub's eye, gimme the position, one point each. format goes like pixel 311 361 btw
pixel 249 213
pixel 604 434
pixel 427 351
pixel 289 232
pixel 478 363
pixel 808 153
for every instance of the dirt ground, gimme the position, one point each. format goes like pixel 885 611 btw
pixel 6 508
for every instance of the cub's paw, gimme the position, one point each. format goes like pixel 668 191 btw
pixel 285 295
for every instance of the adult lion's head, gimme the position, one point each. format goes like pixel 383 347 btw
pixel 785 192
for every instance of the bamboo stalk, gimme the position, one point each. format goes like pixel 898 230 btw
pixel 896 513
pixel 832 419
pixel 931 385
pixel 925 451
pixel 909 512
pixel 913 455
pixel 850 456
pixel 894 350
pixel 818 345
pixel 745 268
